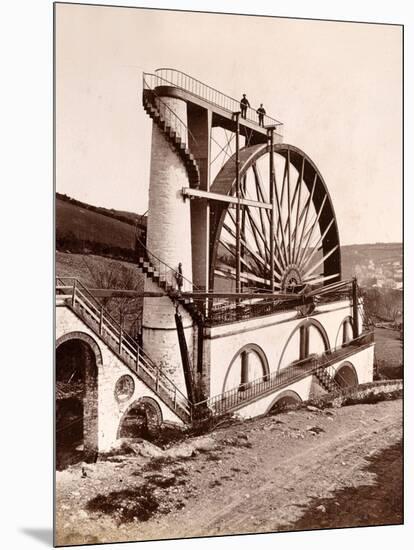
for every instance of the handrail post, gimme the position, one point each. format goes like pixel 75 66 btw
pixel 120 340
pixel 74 292
pixel 157 378
pixel 137 358
pixel 101 317
pixel 355 324
pixel 175 397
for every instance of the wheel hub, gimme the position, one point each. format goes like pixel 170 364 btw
pixel 291 278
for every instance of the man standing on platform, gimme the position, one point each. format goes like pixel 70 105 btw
pixel 261 112
pixel 244 103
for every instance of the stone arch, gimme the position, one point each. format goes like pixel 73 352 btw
pixel 142 418
pixel 78 335
pixel 283 400
pixel 77 363
pixel 303 329
pixel 246 349
pixel 345 332
pixel 346 375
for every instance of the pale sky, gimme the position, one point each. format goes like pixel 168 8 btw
pixel 335 86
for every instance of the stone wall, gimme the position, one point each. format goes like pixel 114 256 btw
pixel 110 411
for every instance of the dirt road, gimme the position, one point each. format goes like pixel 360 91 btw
pixel 299 470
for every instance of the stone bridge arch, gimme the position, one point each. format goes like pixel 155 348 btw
pixel 143 418
pixel 283 400
pixel 346 375
pixel 78 361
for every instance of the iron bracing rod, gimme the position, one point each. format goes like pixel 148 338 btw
pixel 198 194
pixel 238 193
pixel 118 293
pixel 272 213
pixel 114 292
pixel 244 295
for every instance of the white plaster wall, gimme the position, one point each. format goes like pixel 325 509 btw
pixel 363 362
pixel 110 411
pixel 261 406
pixel 270 333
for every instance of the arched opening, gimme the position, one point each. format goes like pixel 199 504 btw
pixel 286 400
pixel 308 338
pixel 345 333
pixel 249 363
pixel 346 376
pixel 142 419
pixel 76 402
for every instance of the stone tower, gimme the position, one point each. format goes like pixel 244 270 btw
pixel 168 241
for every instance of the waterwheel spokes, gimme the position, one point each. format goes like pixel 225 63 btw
pixel 306 213
pixel 321 278
pixel 315 223
pixel 323 259
pixel 296 194
pixel 315 247
pixel 304 230
pixel 280 258
pixel 280 245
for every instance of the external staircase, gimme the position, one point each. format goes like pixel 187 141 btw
pixel 175 131
pixel 78 298
pixel 326 380
pixel 164 277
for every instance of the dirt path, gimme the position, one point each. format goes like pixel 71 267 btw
pixel 299 470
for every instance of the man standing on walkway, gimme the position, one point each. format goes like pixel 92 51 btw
pixel 179 277
pixel 261 112
pixel 244 103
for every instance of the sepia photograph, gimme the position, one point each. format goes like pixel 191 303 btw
pixel 228 293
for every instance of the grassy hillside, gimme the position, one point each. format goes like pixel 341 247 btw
pixel 79 229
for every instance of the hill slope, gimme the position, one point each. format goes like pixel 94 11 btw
pixel 83 228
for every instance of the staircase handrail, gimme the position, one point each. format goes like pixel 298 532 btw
pixel 179 123
pixel 137 351
pixel 212 95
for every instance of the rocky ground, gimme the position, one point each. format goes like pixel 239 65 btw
pixel 302 469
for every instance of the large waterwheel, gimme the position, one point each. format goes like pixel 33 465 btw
pixel 305 236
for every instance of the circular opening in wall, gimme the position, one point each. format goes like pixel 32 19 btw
pixel 124 388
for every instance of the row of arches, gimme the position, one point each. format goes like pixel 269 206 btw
pixel 308 338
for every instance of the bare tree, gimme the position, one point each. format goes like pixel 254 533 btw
pixel 114 275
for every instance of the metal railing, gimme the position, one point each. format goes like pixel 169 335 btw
pixel 197 88
pixel 229 311
pixel 150 82
pixel 112 332
pixel 242 394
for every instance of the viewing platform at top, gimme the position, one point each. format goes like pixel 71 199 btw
pixel 173 83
